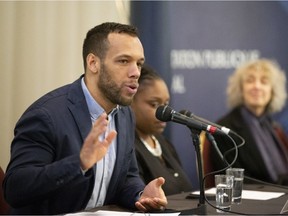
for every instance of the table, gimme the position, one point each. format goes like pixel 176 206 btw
pixel 179 202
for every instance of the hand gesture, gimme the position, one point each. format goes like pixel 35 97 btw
pixel 153 197
pixel 93 149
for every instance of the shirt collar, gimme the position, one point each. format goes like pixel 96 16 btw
pixel 94 108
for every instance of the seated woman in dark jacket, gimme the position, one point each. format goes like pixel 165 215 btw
pixel 156 156
pixel 255 91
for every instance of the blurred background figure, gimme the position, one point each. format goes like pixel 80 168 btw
pixel 255 91
pixel 156 156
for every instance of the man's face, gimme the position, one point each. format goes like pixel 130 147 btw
pixel 120 69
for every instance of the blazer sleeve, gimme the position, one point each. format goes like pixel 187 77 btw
pixel 44 168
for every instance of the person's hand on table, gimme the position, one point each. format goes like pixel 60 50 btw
pixel 153 197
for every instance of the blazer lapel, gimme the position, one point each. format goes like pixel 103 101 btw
pixel 79 108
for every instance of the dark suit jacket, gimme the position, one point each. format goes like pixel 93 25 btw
pixel 44 177
pixel 249 156
pixel 150 167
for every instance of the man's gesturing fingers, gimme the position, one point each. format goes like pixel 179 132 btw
pixel 94 149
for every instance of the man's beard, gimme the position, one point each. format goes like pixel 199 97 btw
pixel 110 89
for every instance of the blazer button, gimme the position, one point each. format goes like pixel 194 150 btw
pixel 176 174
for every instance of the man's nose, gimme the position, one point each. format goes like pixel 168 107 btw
pixel 135 71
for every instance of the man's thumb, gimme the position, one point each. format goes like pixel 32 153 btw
pixel 160 181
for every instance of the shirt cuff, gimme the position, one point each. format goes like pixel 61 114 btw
pixel 139 195
pixel 83 171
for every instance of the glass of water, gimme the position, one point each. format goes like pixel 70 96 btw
pixel 224 187
pixel 238 174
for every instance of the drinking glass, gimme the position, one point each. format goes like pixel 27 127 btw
pixel 238 174
pixel 224 187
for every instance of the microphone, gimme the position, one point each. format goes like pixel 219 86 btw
pixel 197 118
pixel 166 113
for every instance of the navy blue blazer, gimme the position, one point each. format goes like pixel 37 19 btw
pixel 44 176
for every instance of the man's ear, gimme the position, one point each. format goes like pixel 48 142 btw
pixel 93 63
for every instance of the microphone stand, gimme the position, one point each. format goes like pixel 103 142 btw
pixel 201 210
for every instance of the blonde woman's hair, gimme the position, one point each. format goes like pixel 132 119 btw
pixel 276 76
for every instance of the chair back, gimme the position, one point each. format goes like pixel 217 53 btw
pixel 4 207
pixel 207 164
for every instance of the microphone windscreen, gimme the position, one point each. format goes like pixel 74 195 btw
pixel 164 113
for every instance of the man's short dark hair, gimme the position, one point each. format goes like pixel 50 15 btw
pixel 96 38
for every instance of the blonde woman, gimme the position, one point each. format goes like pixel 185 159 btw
pixel 255 91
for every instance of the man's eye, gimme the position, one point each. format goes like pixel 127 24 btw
pixel 140 65
pixel 123 61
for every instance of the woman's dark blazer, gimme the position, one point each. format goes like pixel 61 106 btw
pixel 249 156
pixel 150 167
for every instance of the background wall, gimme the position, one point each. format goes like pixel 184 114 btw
pixel 40 49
